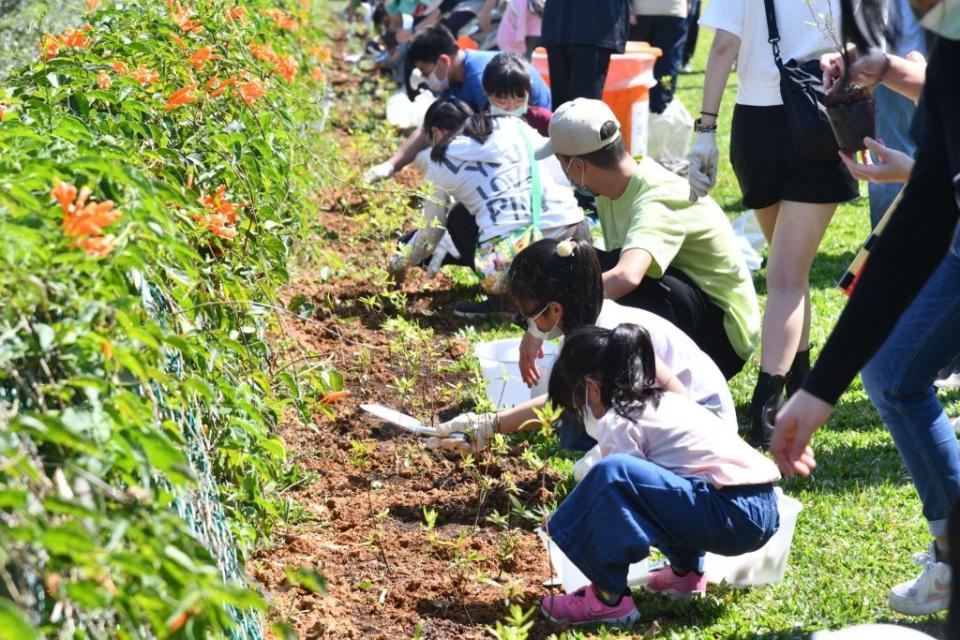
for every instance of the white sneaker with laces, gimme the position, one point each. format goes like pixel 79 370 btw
pixel 928 593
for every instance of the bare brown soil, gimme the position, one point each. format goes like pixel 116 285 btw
pixel 363 523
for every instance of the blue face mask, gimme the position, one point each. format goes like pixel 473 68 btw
pixel 581 189
pixel 519 111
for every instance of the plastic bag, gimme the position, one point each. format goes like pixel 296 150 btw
pixel 669 135
pixel 406 114
pixel 749 238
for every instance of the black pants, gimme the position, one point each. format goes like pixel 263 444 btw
pixel 693 30
pixel 465 233
pixel 577 71
pixel 675 297
pixel 669 33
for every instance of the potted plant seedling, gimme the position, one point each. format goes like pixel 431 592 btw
pixel 851 109
pixel 852 112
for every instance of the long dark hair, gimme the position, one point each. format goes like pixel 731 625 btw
pixel 539 275
pixel 622 361
pixel 456 116
pixel 878 23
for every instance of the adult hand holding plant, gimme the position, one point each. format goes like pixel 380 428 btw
pixel 883 165
pixel 866 69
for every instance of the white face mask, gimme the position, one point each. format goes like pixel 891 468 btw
pixel 536 332
pixel 589 420
pixel 519 111
pixel 943 19
pixel 435 83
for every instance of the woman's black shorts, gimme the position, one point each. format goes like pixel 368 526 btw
pixel 769 171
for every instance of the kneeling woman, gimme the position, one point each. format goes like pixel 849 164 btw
pixel 669 477
pixel 486 164
pixel 557 287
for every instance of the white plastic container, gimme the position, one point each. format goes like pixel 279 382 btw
pixel 500 364
pixel 571 579
pixel 767 564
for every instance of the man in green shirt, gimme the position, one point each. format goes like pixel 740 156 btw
pixel 676 258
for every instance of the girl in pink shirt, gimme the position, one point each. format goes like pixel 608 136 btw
pixel 519 30
pixel 670 476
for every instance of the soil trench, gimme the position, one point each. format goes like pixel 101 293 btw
pixel 361 516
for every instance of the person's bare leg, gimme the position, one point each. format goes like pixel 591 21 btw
pixel 786 321
pixel 794 231
pixel 767 219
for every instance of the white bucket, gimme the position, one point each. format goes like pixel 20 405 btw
pixel 500 364
pixel 767 564
pixel 571 579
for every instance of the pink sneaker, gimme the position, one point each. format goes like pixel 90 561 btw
pixel 665 581
pixel 584 607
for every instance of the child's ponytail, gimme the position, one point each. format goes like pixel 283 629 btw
pixel 630 369
pixel 563 271
pixel 621 360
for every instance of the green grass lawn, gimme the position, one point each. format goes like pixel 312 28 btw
pixel 861 522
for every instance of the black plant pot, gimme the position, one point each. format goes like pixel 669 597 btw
pixel 853 121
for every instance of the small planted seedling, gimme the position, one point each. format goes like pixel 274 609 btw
pixel 429 519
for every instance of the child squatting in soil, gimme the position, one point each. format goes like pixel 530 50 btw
pixel 557 288
pixel 669 476
pixel 486 164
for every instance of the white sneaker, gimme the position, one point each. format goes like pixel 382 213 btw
pixel 928 593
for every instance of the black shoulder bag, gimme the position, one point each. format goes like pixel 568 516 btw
pixel 801 87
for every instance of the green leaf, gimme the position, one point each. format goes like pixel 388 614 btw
pixel 68 539
pixel 45 336
pixel 284 631
pixel 13 626
pixel 308 578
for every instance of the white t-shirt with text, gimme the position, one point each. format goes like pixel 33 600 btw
pixel 493 181
pixel 800 39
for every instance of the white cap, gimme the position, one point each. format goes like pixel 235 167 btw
pixel 575 128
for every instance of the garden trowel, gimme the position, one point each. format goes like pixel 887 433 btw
pixel 401 420
pixel 458 442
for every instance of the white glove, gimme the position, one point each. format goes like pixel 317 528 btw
pixel 444 248
pixel 584 464
pixel 380 172
pixel 417 249
pixel 478 427
pixel 704 157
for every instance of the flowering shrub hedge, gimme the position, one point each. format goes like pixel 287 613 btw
pixel 153 179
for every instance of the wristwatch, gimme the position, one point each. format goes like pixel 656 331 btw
pixel 699 127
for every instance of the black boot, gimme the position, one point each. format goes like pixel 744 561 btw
pixel 767 398
pixel 798 372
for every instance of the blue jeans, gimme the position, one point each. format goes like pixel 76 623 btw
pixel 625 505
pixel 894 115
pixel 899 380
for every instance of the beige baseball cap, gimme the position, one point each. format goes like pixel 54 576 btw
pixel 575 128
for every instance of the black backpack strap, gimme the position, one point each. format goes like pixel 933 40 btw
pixel 772 31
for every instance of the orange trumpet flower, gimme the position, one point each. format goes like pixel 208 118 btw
pixel 144 76
pixel 252 90
pixel 181 96
pixel 199 57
